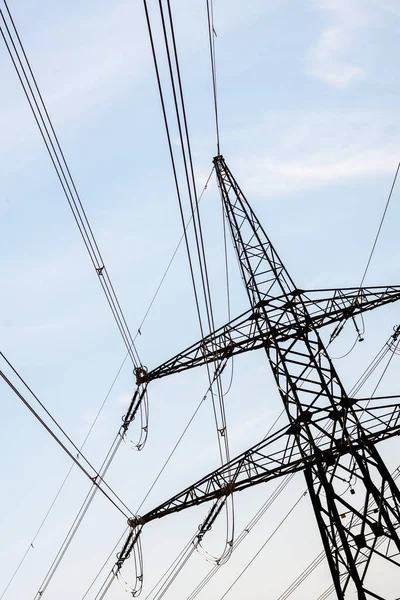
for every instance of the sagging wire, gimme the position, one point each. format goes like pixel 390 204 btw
pixel 264 545
pixel 38 107
pixel 341 324
pixel 140 328
pixel 127 419
pixel 136 550
pixel 227 503
pixel 144 422
pixel 53 502
pixel 180 114
pixel 245 532
pixel 359 336
pixel 140 401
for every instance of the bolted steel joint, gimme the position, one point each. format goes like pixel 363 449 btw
pixel 141 374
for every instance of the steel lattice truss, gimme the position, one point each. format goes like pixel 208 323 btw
pixel 330 437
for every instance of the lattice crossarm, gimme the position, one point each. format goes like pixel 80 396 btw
pixel 328 306
pixel 240 335
pixel 378 417
pixel 261 463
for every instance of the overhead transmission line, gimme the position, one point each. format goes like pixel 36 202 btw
pixel 38 107
pixel 340 325
pixel 110 575
pixel 211 38
pixel 177 560
pixel 82 511
pixel 32 92
pixel 96 477
pixel 380 226
pixel 190 184
pixel 77 521
pixel 190 190
pixel 62 485
pixel 90 495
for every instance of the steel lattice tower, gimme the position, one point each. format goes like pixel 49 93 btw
pixel 330 436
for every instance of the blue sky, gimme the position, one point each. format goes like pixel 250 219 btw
pixel 310 126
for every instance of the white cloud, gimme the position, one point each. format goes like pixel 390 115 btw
pixel 332 59
pixel 314 149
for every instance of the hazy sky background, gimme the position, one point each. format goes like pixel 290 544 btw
pixel 310 126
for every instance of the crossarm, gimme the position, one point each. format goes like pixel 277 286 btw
pixel 327 306
pixel 240 335
pixel 257 465
pixel 260 463
pixel 249 331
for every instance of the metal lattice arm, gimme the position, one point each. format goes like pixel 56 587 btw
pixel 257 465
pixel 379 417
pixel 249 331
pixel 328 306
pixel 263 462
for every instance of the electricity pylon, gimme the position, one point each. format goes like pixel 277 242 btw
pixel 331 437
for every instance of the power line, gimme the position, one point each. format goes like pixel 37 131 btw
pixel 77 521
pixel 100 409
pixel 90 472
pixel 315 563
pixel 47 514
pixel 211 35
pixel 219 412
pixel 180 115
pixel 153 484
pixel 38 107
pixel 53 502
pixel 380 226
pixel 264 544
pixel 139 329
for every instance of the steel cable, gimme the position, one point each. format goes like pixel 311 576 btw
pixel 38 107
pixel 63 483
pixel 94 476
pixel 163 467
pixel 191 190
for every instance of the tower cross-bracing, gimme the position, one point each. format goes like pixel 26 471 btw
pixel 330 436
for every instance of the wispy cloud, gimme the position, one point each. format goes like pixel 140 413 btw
pixel 80 64
pixel 313 149
pixel 332 59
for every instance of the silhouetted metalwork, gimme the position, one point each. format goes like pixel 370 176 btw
pixel 330 437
